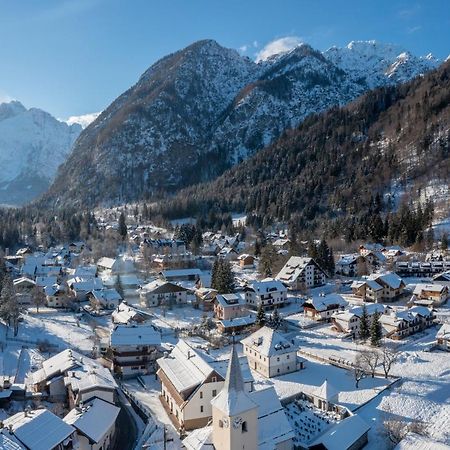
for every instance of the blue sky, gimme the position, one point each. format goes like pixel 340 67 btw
pixel 75 57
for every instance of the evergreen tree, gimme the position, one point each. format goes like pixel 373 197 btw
pixel 376 333
pixel 9 308
pixel 260 316
pixel 222 278
pixel 266 260
pixel 122 226
pixel 257 248
pixel 444 242
pixel 119 286
pixel 275 319
pixel 364 330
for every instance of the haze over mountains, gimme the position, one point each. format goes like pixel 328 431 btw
pixel 199 111
pixel 32 146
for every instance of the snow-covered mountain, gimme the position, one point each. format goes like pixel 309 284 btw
pixel 202 109
pixel 32 146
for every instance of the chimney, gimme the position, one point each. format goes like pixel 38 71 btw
pixel 189 354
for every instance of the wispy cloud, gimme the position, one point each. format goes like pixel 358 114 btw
pixel 410 12
pixel 83 120
pixel 413 30
pixel 277 46
pixel 244 48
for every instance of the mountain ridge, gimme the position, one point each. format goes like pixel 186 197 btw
pixel 200 110
pixel 32 146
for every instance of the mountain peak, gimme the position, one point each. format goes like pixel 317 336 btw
pixel 11 109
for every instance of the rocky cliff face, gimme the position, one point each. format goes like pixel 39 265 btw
pixel 205 108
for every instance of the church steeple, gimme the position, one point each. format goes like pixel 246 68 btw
pixel 235 414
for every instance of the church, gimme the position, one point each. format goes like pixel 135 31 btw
pixel 243 420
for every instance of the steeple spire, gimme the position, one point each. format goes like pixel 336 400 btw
pixel 233 399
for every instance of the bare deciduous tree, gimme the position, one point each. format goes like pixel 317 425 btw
pixel 38 298
pixel 369 360
pixel 395 428
pixel 389 355
pixel 358 370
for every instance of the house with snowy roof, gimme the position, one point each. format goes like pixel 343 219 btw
pixel 127 315
pixel 134 349
pixel 80 287
pixel 437 293
pixel 190 379
pixel 443 337
pixel 105 298
pixel 399 324
pixel 242 419
pixel 72 377
pixel 269 293
pixel 24 288
pixel 160 292
pixel 55 296
pixel 270 354
pixel 246 261
pixel 230 306
pixel 95 424
pixel 301 273
pixel 347 265
pixel 349 321
pixel 379 288
pixel 39 429
pixel 322 307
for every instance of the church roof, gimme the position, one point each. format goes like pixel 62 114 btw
pixel 233 399
pixel 327 392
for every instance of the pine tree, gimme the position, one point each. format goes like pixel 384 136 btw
pixel 222 278
pixel 444 242
pixel 260 316
pixel 364 325
pixel 275 319
pixel 122 226
pixel 375 331
pixel 119 286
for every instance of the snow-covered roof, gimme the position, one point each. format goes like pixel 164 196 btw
pixel 391 279
pixel 175 273
pixel 238 322
pixel 371 308
pixel 444 331
pixel 124 314
pixel 185 367
pixel 39 429
pixel 436 288
pixel 293 268
pixel 46 281
pixel 227 300
pixel 199 439
pixel 107 263
pixel 106 295
pixel 273 425
pixel 94 419
pixel 268 342
pixel 323 302
pixel 158 285
pixel 268 285
pixel 23 280
pixel 343 434
pixel 134 335
pixel 326 392
pixel 85 379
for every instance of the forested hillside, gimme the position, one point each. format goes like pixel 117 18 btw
pixel 343 167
